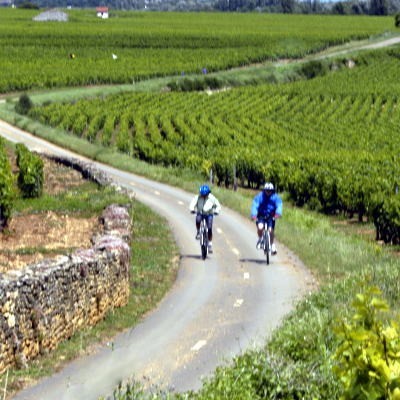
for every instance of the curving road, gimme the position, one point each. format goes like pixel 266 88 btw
pixel 216 308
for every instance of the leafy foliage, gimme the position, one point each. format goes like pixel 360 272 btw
pixel 397 20
pixel 368 357
pixel 24 104
pixel 30 175
pixel 7 191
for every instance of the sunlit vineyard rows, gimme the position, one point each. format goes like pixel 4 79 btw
pixel 331 142
pixel 80 51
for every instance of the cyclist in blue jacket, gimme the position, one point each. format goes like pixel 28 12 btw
pixel 266 208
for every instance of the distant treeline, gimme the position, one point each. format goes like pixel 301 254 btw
pixel 360 7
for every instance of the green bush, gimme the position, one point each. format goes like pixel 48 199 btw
pixel 313 69
pixel 397 20
pixel 24 104
pixel 386 217
pixel 31 175
pixel 7 192
pixel 198 84
pixel 368 356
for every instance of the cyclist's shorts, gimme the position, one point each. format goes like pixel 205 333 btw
pixel 269 221
pixel 208 218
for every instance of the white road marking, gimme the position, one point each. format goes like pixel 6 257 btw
pixel 181 203
pixel 238 303
pixel 246 275
pixel 157 193
pixel 199 345
pixel 132 183
pixel 236 251
pixel 219 230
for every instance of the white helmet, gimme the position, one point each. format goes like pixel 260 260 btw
pixel 269 186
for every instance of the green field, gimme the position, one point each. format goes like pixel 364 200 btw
pixel 37 54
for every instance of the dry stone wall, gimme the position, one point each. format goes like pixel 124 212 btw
pixel 45 303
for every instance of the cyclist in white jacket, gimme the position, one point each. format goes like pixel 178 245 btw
pixel 205 205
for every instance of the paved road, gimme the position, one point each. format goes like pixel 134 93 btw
pixel 216 308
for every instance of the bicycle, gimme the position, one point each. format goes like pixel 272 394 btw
pixel 203 238
pixel 266 240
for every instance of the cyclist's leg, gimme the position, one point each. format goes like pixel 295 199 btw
pixel 260 223
pixel 270 223
pixel 260 227
pixel 209 219
pixel 198 220
pixel 271 228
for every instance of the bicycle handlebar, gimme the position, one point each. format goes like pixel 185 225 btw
pixel 194 212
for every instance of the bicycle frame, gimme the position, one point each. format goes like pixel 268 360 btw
pixel 203 238
pixel 266 240
pixel 266 243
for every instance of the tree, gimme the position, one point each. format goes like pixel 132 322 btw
pixel 288 6
pixel 397 20
pixel 378 7
pixel 339 8
pixel 24 104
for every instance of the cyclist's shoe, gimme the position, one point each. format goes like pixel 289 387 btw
pixel 210 248
pixel 198 235
pixel 273 249
pixel 259 244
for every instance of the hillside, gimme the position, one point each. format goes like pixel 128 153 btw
pixel 329 142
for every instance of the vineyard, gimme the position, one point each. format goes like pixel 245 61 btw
pixel 327 137
pixel 80 52
pixel 331 142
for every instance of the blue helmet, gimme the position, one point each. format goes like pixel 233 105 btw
pixel 204 190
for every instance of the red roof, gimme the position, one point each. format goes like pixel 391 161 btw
pixel 102 9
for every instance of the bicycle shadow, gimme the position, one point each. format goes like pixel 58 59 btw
pixel 253 260
pixel 191 256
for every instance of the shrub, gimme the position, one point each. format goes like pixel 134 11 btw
pixel 313 69
pixel 28 5
pixel 197 84
pixel 368 357
pixel 24 104
pixel 397 20
pixel 31 175
pixel 7 192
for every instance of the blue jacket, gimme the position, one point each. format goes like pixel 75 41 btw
pixel 263 205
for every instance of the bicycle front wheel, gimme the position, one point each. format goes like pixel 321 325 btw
pixel 204 243
pixel 267 246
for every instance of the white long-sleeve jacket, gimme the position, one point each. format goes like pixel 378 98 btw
pixel 205 205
